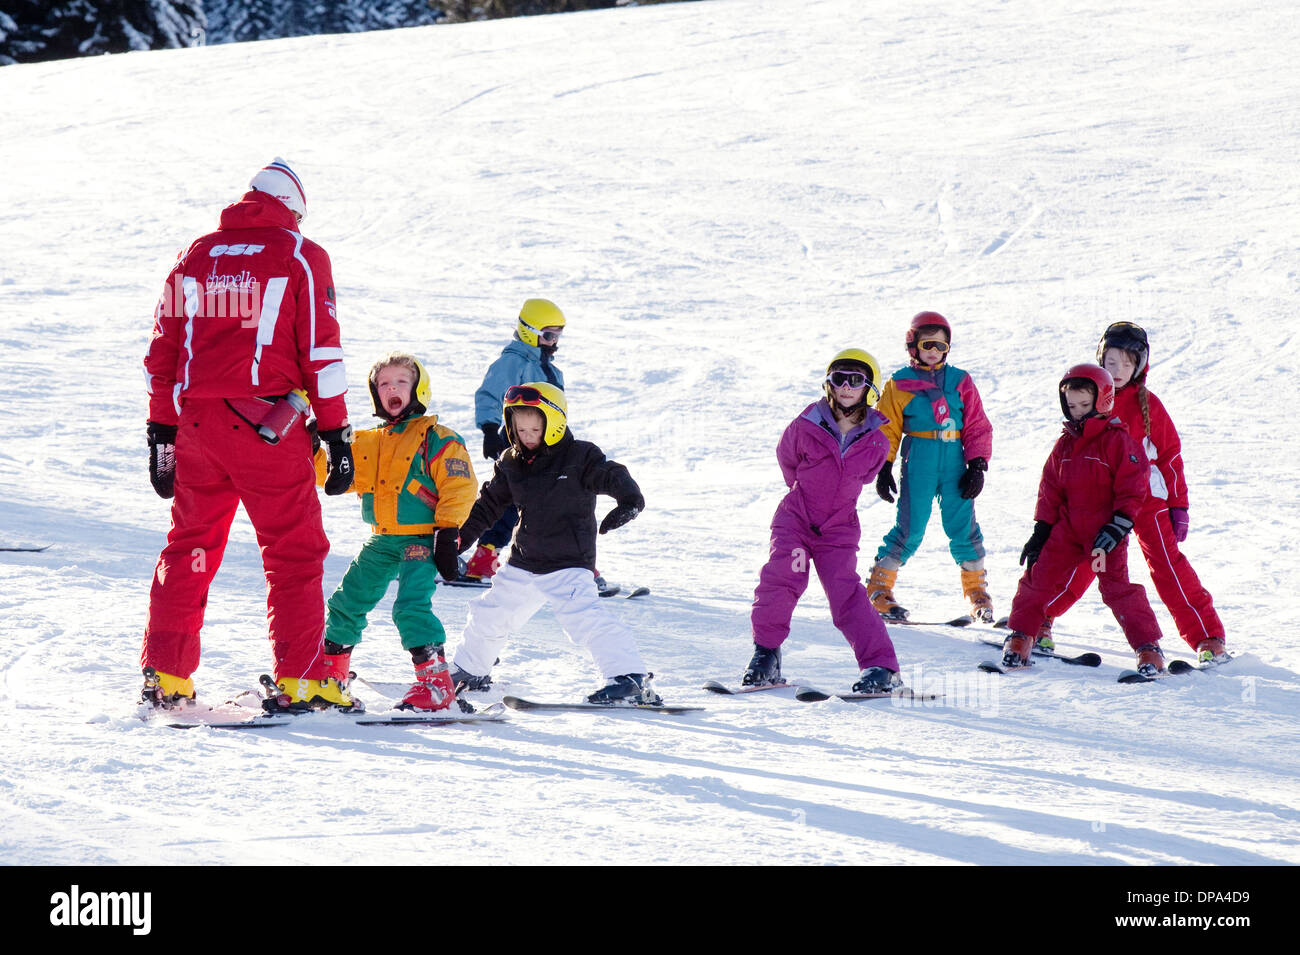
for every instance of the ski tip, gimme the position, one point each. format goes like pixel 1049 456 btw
pixel 1132 676
pixel 639 592
pixel 808 694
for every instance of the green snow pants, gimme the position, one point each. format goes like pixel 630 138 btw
pixel 407 557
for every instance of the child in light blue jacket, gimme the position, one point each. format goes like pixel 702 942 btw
pixel 529 357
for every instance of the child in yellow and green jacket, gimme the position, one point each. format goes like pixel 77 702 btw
pixel 417 486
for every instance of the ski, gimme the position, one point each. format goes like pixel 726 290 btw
pixel 24 550
pixel 989 666
pixel 965 620
pixel 808 694
pixel 1175 668
pixel 955 622
pixel 1082 660
pixel 713 686
pixel 214 718
pixel 517 703
pixel 474 583
pixel 496 713
pixel 252 723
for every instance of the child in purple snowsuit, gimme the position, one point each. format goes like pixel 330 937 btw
pixel 826 455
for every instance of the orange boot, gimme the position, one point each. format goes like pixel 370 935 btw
pixel 880 588
pixel 974 585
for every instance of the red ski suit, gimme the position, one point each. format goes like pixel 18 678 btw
pixel 1093 472
pixel 247 311
pixel 1175 581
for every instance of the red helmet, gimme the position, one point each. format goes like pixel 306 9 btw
pixel 1103 386
pixel 925 320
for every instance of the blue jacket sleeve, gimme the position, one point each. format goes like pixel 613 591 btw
pixel 501 374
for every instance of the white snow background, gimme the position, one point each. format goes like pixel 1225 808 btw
pixel 720 195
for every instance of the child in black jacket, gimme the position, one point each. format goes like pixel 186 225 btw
pixel 553 479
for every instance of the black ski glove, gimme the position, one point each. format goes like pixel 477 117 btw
pixel 338 452
pixel 162 458
pixel 885 485
pixel 1110 535
pixel 1034 546
pixel 972 482
pixel 446 551
pixel 466 542
pixel 314 435
pixel 494 442
pixel 627 509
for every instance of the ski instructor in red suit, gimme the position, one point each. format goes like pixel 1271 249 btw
pixel 246 327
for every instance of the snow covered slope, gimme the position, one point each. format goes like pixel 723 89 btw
pixel 720 196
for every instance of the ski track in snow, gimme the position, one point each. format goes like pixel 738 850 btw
pixel 720 196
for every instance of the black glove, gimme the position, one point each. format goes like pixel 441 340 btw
pixel 972 482
pixel 1110 535
pixel 465 542
pixel 1034 546
pixel 885 485
pixel 162 458
pixel 446 551
pixel 338 451
pixel 314 435
pixel 627 509
pixel 494 442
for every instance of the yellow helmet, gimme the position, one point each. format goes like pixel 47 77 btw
pixel 544 397
pixel 537 313
pixel 421 394
pixel 855 359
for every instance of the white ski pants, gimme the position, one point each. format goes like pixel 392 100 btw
pixel 516 595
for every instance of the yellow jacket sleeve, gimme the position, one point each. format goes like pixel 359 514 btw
pixel 452 472
pixel 892 402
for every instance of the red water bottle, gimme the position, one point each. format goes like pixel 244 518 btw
pixel 283 415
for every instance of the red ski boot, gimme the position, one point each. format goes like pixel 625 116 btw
pixel 1150 660
pixel 432 689
pixel 1016 649
pixel 484 563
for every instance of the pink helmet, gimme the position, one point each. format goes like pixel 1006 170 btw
pixel 1103 386
pixel 925 320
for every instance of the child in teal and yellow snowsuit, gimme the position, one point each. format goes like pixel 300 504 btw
pixel 938 425
pixel 417 487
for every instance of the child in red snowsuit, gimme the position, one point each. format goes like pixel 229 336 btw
pixel 1095 477
pixel 1161 524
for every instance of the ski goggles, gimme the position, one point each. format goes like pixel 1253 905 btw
pixel 933 344
pixel 549 336
pixel 853 379
pixel 528 395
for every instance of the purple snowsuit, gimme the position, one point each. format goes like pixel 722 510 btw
pixel 817 522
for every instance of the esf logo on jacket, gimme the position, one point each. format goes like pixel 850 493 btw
pixel 242 248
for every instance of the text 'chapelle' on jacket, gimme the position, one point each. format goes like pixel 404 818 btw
pixel 248 318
